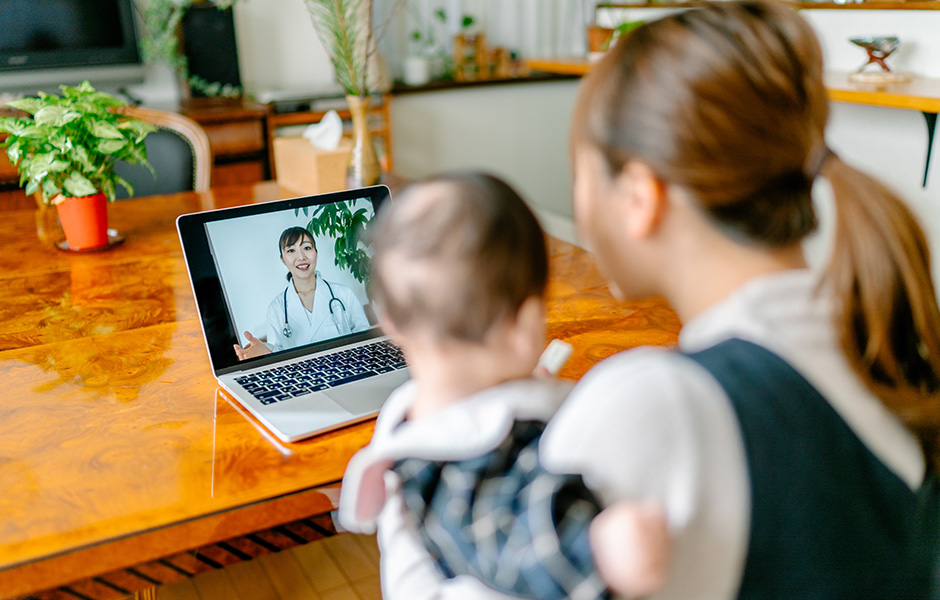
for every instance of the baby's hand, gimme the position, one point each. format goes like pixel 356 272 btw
pixel 631 548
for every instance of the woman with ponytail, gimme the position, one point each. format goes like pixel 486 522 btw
pixel 792 439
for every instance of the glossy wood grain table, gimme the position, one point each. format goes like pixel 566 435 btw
pixel 121 461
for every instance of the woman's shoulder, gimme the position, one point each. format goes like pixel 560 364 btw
pixel 643 389
pixel 648 367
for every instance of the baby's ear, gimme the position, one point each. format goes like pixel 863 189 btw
pixel 529 327
pixel 532 312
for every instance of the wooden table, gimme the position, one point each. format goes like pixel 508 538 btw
pixel 122 463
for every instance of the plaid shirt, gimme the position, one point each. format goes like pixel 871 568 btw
pixel 502 518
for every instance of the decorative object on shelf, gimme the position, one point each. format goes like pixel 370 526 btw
pixel 598 39
pixel 345 30
pixel 601 39
pixel 160 42
pixel 878 49
pixel 428 56
pixel 474 61
pixel 65 152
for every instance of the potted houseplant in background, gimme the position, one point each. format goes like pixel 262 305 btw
pixel 160 43
pixel 430 55
pixel 345 30
pixel 65 150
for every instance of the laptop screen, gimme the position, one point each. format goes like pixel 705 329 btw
pixel 291 275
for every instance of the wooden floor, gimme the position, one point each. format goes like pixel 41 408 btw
pixel 343 567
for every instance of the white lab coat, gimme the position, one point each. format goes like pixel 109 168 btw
pixel 316 325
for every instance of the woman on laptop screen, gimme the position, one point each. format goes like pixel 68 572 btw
pixel 309 309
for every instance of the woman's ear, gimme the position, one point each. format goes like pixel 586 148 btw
pixel 644 196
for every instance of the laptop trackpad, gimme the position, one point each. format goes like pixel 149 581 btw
pixel 313 413
pixel 367 395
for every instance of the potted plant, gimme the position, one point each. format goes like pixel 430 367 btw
pixel 65 150
pixel 427 61
pixel 160 43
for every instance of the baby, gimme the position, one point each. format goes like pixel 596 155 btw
pixel 452 477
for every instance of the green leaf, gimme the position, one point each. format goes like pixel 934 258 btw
pixel 467 21
pixel 125 184
pixel 441 15
pixel 50 115
pixel 50 188
pixel 103 129
pixel 59 166
pixel 77 185
pixel 10 124
pixel 13 152
pixel 30 105
pixel 32 131
pixel 32 187
pixel 111 146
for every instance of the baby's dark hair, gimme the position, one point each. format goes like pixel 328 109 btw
pixel 457 254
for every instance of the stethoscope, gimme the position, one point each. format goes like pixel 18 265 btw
pixel 287 331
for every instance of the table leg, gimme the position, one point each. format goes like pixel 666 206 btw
pixel 931 129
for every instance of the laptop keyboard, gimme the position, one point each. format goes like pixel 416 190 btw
pixel 321 372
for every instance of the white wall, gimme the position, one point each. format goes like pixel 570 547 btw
pixel 278 48
pixel 519 132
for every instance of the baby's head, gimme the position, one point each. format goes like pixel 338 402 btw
pixel 456 257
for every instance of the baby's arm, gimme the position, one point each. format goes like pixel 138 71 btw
pixel 631 548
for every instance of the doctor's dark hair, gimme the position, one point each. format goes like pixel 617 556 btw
pixel 289 237
pixel 726 102
pixel 457 254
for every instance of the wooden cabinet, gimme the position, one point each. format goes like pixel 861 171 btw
pixel 238 136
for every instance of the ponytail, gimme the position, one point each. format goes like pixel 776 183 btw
pixel 887 320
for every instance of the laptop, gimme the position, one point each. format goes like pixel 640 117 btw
pixel 323 366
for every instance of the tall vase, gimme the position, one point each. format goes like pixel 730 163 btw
pixel 364 167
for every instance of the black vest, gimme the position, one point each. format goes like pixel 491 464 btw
pixel 828 519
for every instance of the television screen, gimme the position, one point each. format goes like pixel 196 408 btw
pixel 47 42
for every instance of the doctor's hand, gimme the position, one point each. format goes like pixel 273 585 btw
pixel 253 348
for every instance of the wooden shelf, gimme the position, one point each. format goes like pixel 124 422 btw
pixel 921 93
pixel 237 133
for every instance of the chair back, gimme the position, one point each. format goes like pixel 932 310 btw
pixel 178 151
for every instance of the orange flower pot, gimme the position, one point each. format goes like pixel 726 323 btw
pixel 84 221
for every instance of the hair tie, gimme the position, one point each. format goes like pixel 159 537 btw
pixel 817 160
